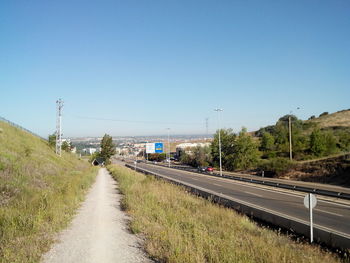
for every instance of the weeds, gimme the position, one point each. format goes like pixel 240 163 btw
pixel 39 193
pixel 180 227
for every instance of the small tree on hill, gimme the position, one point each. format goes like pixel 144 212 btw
pixel 107 148
pixel 322 143
pixel 267 142
pixel 52 140
pixel 66 146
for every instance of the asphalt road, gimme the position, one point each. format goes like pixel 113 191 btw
pixel 327 214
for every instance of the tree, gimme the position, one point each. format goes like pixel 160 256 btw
pixel 107 148
pixel 158 157
pixel 267 142
pixel 317 143
pixel 227 141
pixel 52 140
pixel 344 140
pixel 238 152
pixel 66 146
pixel 201 156
pixel 245 151
pixel 322 143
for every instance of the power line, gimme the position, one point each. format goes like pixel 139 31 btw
pixel 136 121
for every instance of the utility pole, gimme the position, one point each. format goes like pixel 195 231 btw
pixel 59 106
pixel 168 146
pixel 290 137
pixel 218 111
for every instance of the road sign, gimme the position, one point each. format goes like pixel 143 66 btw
pixel 307 200
pixel 150 148
pixel 159 147
pixel 310 202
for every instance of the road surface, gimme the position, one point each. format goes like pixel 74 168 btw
pixel 335 217
pixel 99 231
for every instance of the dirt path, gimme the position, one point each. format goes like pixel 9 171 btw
pixel 99 232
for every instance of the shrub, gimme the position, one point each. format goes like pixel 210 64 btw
pixel 324 114
pixel 312 117
pixel 276 166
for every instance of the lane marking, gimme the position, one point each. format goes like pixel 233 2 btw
pixel 217 184
pixel 327 212
pixel 254 186
pixel 252 193
pixel 251 205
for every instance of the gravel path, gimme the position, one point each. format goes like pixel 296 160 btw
pixel 98 233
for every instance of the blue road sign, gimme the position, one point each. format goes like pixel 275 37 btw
pixel 159 147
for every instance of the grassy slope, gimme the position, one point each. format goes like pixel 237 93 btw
pixel 337 119
pixel 179 227
pixel 39 193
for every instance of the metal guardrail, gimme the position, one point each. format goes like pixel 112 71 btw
pixel 304 189
pixel 21 128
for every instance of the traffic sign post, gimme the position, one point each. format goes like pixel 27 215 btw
pixel 310 202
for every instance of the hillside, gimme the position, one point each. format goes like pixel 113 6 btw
pixel 336 119
pixel 39 193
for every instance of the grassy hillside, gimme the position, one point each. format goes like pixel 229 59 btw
pixel 337 119
pixel 39 193
pixel 179 227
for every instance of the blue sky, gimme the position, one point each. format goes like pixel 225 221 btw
pixel 149 65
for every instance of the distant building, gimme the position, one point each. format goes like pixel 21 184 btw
pixel 89 150
pixel 187 147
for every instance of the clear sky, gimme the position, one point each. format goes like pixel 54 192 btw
pixel 149 65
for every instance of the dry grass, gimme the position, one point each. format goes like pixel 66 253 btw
pixel 39 193
pixel 179 227
pixel 337 119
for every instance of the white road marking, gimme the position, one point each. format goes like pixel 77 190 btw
pixel 327 212
pixel 217 184
pixel 253 186
pixel 253 193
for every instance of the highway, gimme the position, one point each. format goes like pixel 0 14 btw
pixel 329 215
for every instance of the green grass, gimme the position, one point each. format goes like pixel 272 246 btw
pixel 180 227
pixel 39 193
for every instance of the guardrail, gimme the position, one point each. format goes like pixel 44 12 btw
pixel 304 189
pixel 321 235
pixel 20 127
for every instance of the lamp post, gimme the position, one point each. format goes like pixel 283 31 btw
pixel 218 111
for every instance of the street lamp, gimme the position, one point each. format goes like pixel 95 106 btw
pixel 218 111
pixel 168 147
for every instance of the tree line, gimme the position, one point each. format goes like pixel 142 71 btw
pixel 268 148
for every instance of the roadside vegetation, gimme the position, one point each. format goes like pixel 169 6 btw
pixel 268 149
pixel 179 227
pixel 107 150
pixel 39 193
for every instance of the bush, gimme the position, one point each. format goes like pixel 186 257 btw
pixel 324 114
pixel 275 166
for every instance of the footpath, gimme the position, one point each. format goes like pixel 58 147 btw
pixel 99 231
